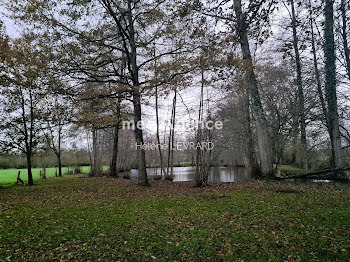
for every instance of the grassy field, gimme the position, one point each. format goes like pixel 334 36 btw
pixel 104 219
pixel 9 176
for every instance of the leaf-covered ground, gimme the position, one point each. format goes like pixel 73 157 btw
pixel 101 219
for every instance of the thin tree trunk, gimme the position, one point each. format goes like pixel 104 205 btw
pixel 59 151
pixel 206 152
pixel 301 99
pixel 96 165
pixel 345 36
pixel 59 164
pixel 317 72
pixel 264 144
pixel 113 167
pixel 199 170
pixel 29 168
pixel 172 136
pixel 94 152
pixel 330 85
pixel 162 171
pixel 27 138
pixel 169 142
pixel 89 150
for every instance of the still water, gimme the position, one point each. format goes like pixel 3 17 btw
pixel 216 174
pixel 223 175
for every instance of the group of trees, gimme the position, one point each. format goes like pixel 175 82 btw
pixel 310 41
pixel 283 65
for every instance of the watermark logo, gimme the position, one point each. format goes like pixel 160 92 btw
pixel 187 125
pixel 178 146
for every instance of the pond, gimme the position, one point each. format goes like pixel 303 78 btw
pixel 223 175
pixel 216 174
pixel 312 181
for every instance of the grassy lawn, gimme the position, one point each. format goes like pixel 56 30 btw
pixel 9 176
pixel 80 219
pixel 287 170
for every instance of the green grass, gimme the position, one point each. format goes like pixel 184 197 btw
pixel 104 219
pixel 184 164
pixel 290 170
pixel 179 164
pixel 9 176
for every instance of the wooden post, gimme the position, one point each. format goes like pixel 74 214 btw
pixel 19 179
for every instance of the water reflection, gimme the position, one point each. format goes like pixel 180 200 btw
pixel 216 174
pixel 224 175
pixel 312 181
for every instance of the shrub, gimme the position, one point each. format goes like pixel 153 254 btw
pixel 169 178
pixel 156 177
pixel 126 176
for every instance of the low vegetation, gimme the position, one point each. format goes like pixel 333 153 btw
pixel 287 170
pixel 76 219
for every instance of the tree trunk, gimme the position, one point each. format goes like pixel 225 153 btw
pixel 162 171
pixel 200 180
pixel 29 168
pixel 96 167
pixel 345 36
pixel 113 166
pixel 253 163
pixel 317 72
pixel 28 135
pixel 330 85
pixel 59 165
pixel 143 180
pixel 301 99
pixel 172 137
pixel 264 144
pixel 59 149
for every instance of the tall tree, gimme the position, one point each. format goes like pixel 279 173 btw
pixel 247 18
pixel 264 144
pixel 315 63
pixel 331 84
pixel 301 99
pixel 344 7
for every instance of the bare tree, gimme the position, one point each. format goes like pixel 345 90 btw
pixel 344 7
pixel 301 99
pixel 331 84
